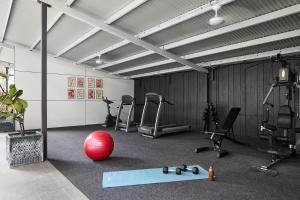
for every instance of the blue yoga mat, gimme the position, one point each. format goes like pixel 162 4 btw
pixel 148 176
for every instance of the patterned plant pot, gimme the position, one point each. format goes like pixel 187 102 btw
pixel 24 150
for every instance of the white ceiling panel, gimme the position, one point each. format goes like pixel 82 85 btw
pixel 24 28
pixel 65 31
pixel 125 51
pixel 137 62
pixel 155 12
pixel 274 27
pixel 252 50
pixel 245 51
pixel 25 22
pixel 100 8
pixel 97 42
pixel 270 28
pixel 234 12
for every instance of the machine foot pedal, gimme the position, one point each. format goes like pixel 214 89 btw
pixel 198 150
pixel 265 170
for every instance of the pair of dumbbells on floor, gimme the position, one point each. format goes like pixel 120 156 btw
pixel 179 170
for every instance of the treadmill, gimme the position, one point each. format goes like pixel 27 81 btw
pixel 158 130
pixel 128 125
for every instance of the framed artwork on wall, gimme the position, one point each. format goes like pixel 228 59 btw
pixel 91 94
pixel 71 82
pixel 71 93
pixel 91 83
pixel 99 94
pixel 99 83
pixel 80 82
pixel 80 93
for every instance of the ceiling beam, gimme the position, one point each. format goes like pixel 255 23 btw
pixel 3 31
pixel 250 43
pixel 250 57
pixel 172 22
pixel 52 23
pixel 217 32
pixel 125 10
pixel 146 66
pixel 84 17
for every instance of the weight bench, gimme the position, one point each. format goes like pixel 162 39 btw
pixel 225 132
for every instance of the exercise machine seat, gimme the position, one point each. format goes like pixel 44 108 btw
pixel 285 117
pixel 230 119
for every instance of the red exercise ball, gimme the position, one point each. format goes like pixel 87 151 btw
pixel 98 145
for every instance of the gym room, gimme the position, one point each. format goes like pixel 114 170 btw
pixel 149 99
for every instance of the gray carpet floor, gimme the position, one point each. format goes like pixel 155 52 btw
pixel 234 179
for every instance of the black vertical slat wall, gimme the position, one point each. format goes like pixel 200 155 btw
pixel 187 90
pixel 240 85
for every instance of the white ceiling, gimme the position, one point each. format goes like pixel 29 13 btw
pixel 24 28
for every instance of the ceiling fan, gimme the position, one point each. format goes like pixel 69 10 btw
pixel 216 20
pixel 99 61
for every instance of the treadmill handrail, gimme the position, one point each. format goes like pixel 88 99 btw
pixel 152 94
pixel 156 103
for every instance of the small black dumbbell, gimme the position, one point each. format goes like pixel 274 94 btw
pixel 194 170
pixel 166 170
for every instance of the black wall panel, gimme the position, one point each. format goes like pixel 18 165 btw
pixel 187 90
pixel 241 85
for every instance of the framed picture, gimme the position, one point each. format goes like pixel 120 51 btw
pixel 71 82
pixel 99 83
pixel 80 93
pixel 80 82
pixel 91 94
pixel 99 94
pixel 71 93
pixel 91 83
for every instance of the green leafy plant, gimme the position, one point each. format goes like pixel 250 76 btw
pixel 12 106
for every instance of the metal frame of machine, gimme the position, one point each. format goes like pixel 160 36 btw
pixel 157 130
pixel 128 125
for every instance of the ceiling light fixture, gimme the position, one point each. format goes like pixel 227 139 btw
pixel 99 61
pixel 216 20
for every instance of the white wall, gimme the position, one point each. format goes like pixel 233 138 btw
pixel 6 54
pixel 62 111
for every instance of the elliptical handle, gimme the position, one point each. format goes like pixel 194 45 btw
pixel 269 104
pixel 168 102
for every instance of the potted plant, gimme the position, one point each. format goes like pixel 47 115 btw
pixel 22 147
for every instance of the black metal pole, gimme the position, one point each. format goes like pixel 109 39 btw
pixel 44 77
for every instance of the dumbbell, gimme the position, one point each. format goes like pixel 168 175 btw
pixel 166 170
pixel 194 170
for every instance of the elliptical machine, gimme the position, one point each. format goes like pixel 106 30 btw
pixel 110 120
pixel 282 146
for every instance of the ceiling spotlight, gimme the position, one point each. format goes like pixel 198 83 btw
pixel 216 20
pixel 99 61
